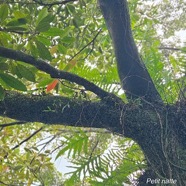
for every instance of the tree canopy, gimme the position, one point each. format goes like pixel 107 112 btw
pixel 101 84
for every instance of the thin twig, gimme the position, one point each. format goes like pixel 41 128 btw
pixel 12 123
pixel 14 31
pixel 28 138
pixel 54 3
pixel 91 42
pixel 170 48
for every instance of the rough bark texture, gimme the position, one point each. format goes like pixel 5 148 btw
pixel 159 141
pixel 119 118
pixel 159 129
pixel 133 74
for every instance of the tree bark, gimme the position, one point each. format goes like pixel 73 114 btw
pixel 133 74
pixel 161 140
pixel 159 129
pixel 49 109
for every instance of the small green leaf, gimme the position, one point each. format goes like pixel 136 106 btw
pixel 71 8
pixel 4 85
pixel 43 51
pixel 5 38
pixel 4 66
pixel 53 32
pixel 68 40
pixel 33 48
pixel 58 32
pixel 2 93
pixel 27 175
pixel 45 82
pixel 62 49
pixel 61 152
pixel 12 82
pixel 18 167
pixel 15 71
pixel 42 14
pixel 26 73
pixel 44 24
pixel 16 28
pixel 19 14
pixel 17 22
pixel 3 12
pixel 45 40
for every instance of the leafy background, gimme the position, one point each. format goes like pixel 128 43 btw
pixel 73 37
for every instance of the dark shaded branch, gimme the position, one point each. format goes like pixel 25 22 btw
pixel 53 3
pixel 123 119
pixel 134 76
pixel 28 138
pixel 55 73
pixel 141 123
pixel 59 110
pixel 170 48
pixel 14 31
pixel 12 124
pixel 128 119
pixel 89 43
pixel 41 3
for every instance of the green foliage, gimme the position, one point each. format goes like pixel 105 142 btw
pixel 3 12
pixel 110 167
pixel 28 164
pixel 9 80
pixel 58 33
pixel 43 51
pixel 154 26
pixel 65 34
pixel 24 72
pixel 75 146
pixel 2 93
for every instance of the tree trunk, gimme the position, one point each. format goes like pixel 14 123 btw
pixel 161 142
pixel 159 131
pixel 133 74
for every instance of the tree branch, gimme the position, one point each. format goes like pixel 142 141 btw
pixel 54 3
pixel 89 43
pixel 55 73
pixel 12 124
pixel 59 110
pixel 169 48
pixel 28 138
pixel 127 119
pixel 141 123
pixel 14 31
pixel 41 3
pixel 134 76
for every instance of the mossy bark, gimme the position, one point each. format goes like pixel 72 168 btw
pixel 162 144
pixel 159 131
